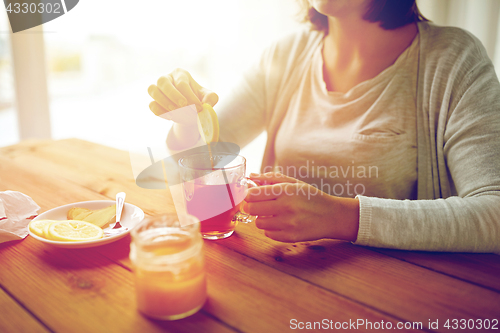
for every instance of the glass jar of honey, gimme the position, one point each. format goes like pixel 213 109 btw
pixel 167 255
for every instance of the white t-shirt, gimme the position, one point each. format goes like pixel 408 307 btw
pixel 363 142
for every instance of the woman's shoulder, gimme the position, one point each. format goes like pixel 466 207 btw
pixel 451 45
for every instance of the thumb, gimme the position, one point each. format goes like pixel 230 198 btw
pixel 273 178
pixel 209 96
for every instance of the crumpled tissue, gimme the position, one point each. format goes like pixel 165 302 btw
pixel 16 212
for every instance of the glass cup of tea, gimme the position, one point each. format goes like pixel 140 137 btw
pixel 214 186
pixel 169 266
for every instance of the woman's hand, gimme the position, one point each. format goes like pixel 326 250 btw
pixel 171 93
pixel 290 210
pixel 176 90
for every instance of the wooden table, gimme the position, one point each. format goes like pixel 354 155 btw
pixel 254 284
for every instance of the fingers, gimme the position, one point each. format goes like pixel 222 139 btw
pixel 157 108
pixel 187 87
pixel 160 98
pixel 209 96
pixel 282 236
pixel 262 208
pixel 166 86
pixel 177 90
pixel 276 228
pixel 203 94
pixel 273 178
pixel 269 223
pixel 271 192
pixel 261 193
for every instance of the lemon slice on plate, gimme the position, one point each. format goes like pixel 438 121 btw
pixel 74 231
pixel 37 227
pixel 46 229
pixel 208 124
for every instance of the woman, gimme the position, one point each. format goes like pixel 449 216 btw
pixel 373 87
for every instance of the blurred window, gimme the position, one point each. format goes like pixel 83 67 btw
pixel 8 120
pixel 103 55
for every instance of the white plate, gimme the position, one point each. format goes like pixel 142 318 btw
pixel 131 216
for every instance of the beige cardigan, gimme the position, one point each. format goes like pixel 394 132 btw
pixel 458 126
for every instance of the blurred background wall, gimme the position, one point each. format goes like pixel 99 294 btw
pixel 101 56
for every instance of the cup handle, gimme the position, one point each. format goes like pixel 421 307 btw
pixel 241 216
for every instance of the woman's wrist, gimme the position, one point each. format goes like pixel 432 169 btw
pixel 182 136
pixel 345 224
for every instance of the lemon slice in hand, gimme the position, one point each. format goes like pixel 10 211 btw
pixel 38 226
pixel 208 124
pixel 74 231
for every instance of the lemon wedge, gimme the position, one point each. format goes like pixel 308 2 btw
pixel 38 226
pixel 74 231
pixel 208 124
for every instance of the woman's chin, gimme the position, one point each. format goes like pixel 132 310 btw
pixel 338 8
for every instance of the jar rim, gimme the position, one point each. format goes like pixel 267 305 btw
pixel 158 228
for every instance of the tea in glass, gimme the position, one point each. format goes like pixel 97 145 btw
pixel 214 188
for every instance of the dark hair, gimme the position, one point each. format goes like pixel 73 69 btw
pixel 391 14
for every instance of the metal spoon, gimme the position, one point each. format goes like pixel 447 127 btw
pixel 117 228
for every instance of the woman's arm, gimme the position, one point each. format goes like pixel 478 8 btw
pixel 469 219
pixel 242 113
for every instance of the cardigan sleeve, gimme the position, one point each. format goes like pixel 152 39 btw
pixel 469 219
pixel 241 114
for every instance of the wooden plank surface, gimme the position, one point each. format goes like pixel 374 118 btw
pixel 81 291
pixel 480 269
pixel 407 291
pixel 84 282
pixel 226 273
pixel 250 276
pixel 97 168
pixel 14 318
